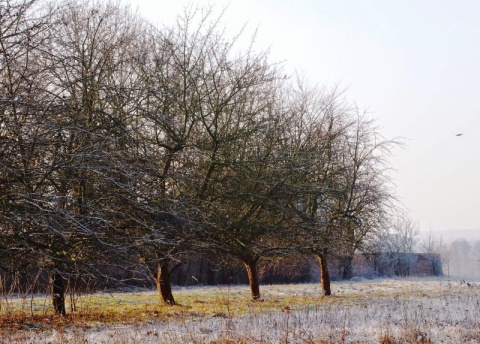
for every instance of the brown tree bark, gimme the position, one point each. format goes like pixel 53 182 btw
pixel 164 286
pixel 251 267
pixel 58 293
pixel 324 274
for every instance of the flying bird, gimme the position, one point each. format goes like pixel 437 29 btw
pixel 459 134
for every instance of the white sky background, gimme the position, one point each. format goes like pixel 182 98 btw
pixel 414 64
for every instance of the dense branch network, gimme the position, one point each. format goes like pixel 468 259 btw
pixel 127 146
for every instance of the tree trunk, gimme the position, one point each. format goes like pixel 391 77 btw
pixel 347 271
pixel 162 280
pixel 58 293
pixel 324 274
pixel 210 274
pixel 251 267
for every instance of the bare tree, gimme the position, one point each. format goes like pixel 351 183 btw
pixel 83 58
pixel 236 180
pixel 435 250
pixel 24 132
pixel 173 67
pixel 365 197
pixel 319 126
pixel 344 194
pixel 131 146
pixel 399 244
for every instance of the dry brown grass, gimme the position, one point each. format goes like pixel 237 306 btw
pixel 127 308
pixel 402 311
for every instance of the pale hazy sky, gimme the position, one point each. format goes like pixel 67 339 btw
pixel 414 64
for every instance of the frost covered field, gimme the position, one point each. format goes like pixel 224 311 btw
pixel 366 311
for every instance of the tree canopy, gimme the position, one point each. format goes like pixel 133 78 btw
pixel 125 144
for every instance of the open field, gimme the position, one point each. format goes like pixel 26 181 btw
pixel 367 311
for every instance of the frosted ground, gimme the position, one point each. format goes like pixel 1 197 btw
pixel 365 311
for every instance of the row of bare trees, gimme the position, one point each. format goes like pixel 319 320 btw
pixel 124 144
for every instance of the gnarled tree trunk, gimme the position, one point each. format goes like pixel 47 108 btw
pixel 162 279
pixel 324 274
pixel 251 267
pixel 58 293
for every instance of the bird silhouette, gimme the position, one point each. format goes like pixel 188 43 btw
pixel 459 134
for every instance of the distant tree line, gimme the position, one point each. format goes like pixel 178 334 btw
pixel 129 146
